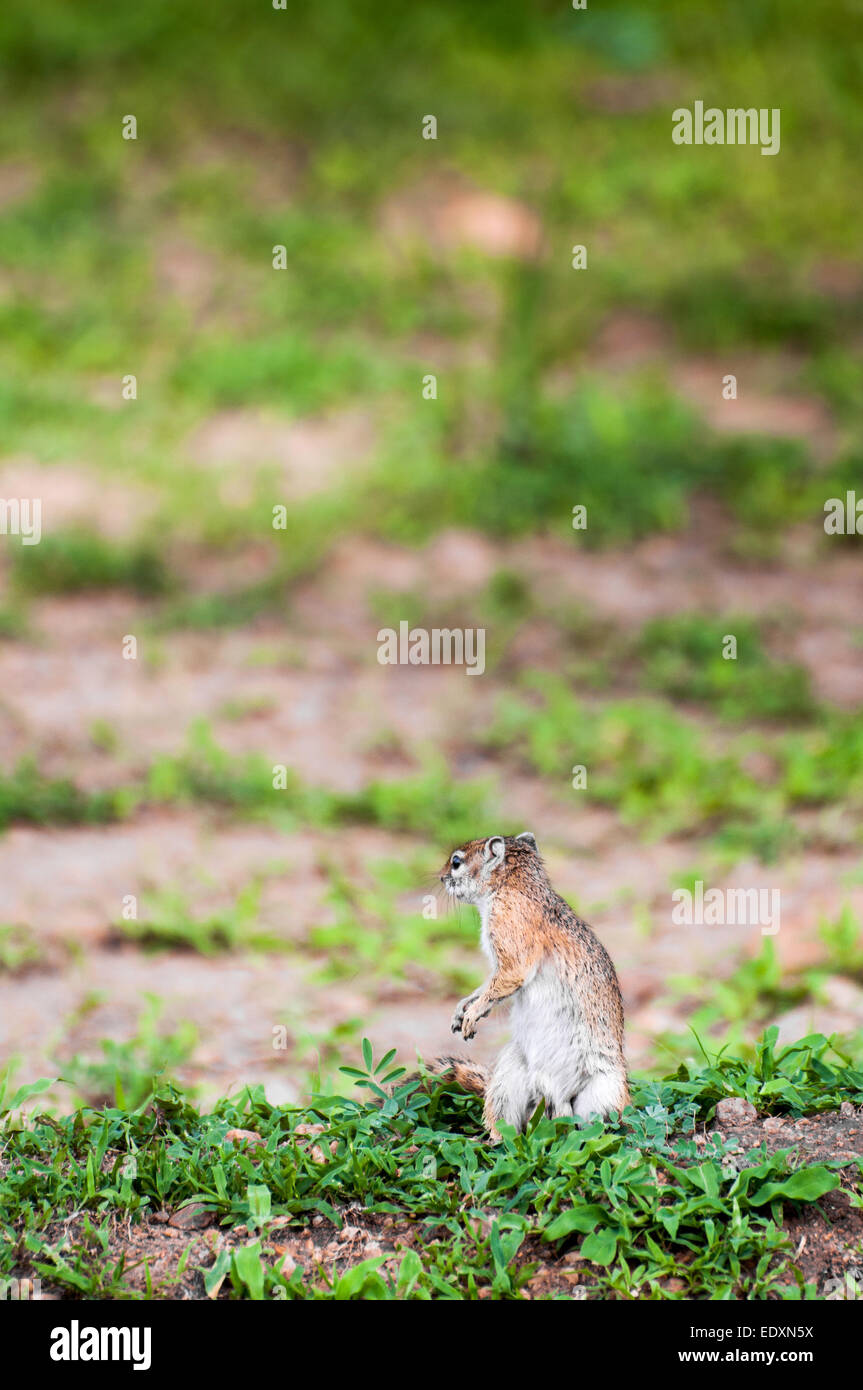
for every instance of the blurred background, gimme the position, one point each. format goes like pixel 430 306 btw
pixel 162 904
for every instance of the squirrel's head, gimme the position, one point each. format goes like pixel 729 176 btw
pixel 481 867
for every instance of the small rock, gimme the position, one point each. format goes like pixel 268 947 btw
pixel 734 1110
pixel 288 1266
pixel 244 1136
pixel 371 1250
pixel 312 1131
pixel 773 1123
pixel 847 1110
pixel 348 1233
pixel 193 1217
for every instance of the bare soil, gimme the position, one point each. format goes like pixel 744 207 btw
pixel 305 689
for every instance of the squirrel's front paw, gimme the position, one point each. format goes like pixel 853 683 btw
pixel 472 1015
pixel 459 1014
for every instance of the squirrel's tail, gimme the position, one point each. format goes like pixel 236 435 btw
pixel 469 1075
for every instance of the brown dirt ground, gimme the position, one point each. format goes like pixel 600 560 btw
pixel 304 689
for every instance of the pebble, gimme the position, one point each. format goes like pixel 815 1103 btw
pixel 734 1110
pixel 243 1136
pixel 773 1123
pixel 191 1218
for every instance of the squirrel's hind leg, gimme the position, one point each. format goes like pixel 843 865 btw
pixel 604 1092
pixel 511 1097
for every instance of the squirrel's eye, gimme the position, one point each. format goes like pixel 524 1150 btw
pixel 456 861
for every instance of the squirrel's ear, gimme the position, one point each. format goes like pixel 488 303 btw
pixel 529 839
pixel 494 848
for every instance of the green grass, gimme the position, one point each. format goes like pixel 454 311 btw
pixel 843 939
pixel 658 771
pixel 426 803
pixel 20 949
pixel 212 611
pixel 754 992
pixel 124 1074
pixel 682 657
pixel 661 772
pixel 690 236
pixel 171 924
pixel 372 935
pixel 650 1213
pixel 27 796
pixel 79 561
pixel 13 622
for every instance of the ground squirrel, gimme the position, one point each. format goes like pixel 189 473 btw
pixel 567 1011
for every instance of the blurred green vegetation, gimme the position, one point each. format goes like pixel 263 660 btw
pixel 243 144
pixel 154 257
pixel 428 804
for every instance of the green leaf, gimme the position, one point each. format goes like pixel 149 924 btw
pixel 260 1201
pixel 215 1275
pixel 576 1219
pixel 385 1061
pixel 410 1270
pixel 600 1247
pixel 249 1269
pixel 496 1248
pixel 354 1281
pixel 805 1185
pixel 34 1088
pixel 368 1054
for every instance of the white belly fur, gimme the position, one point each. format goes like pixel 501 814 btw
pixel 559 1051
